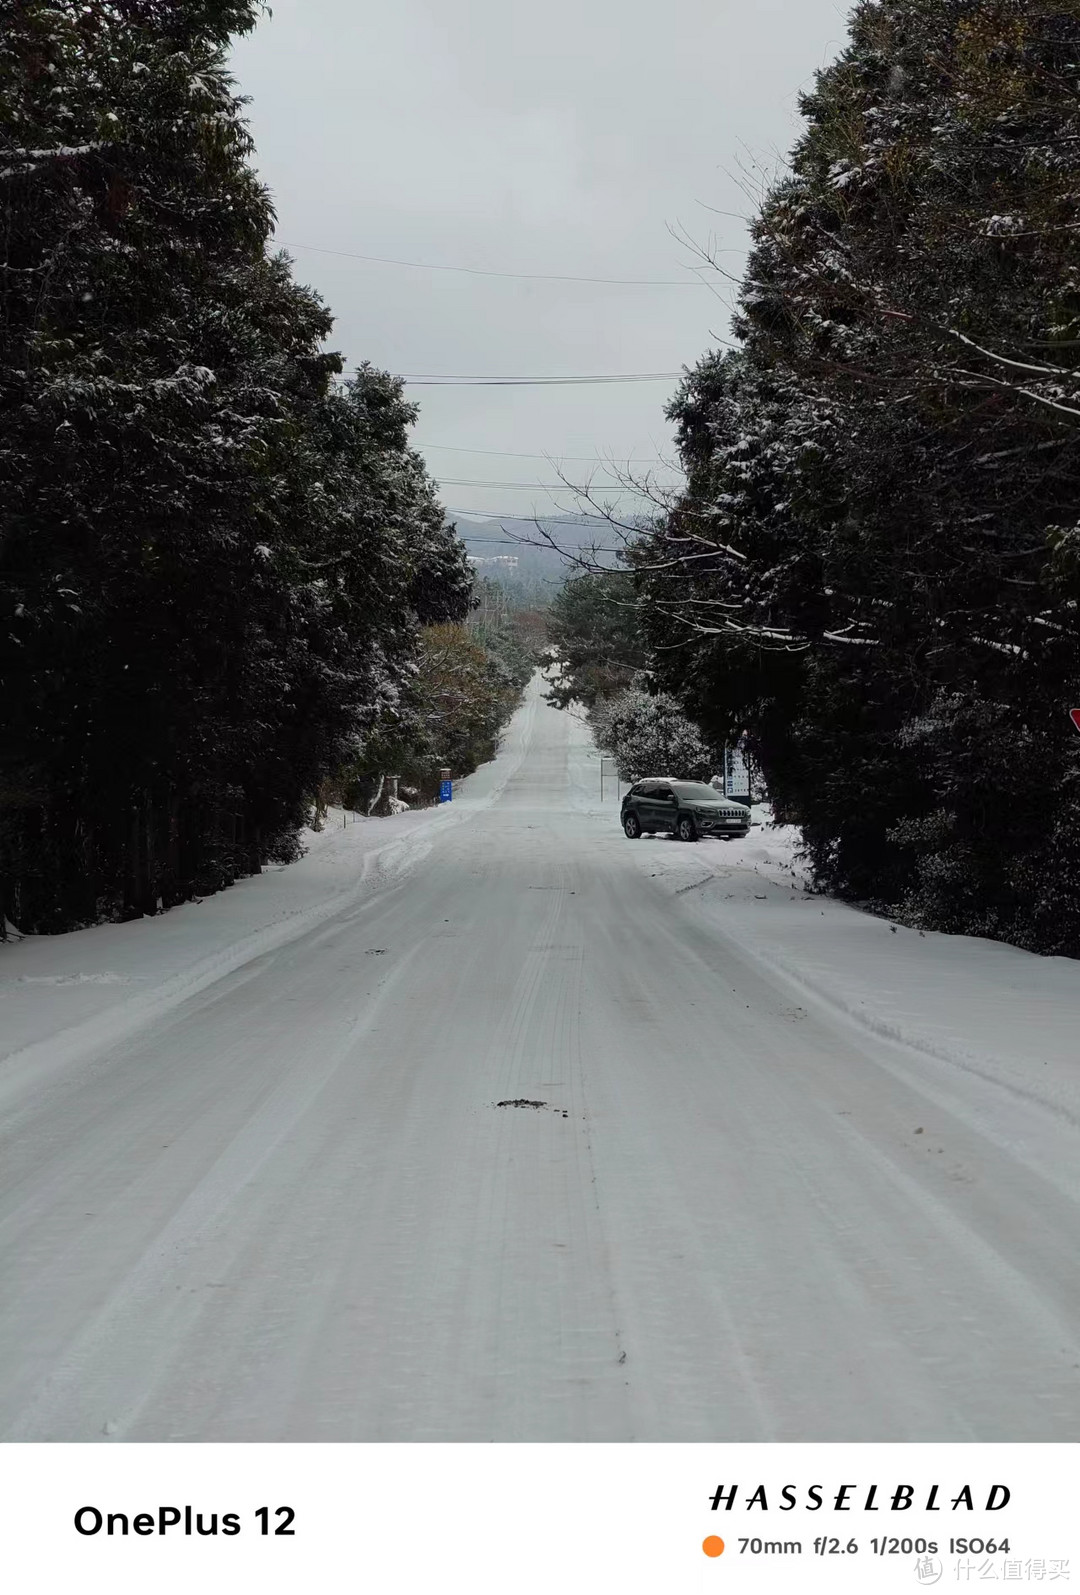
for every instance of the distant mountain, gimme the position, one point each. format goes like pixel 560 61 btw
pixel 516 553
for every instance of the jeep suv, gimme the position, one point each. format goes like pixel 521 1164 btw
pixel 688 809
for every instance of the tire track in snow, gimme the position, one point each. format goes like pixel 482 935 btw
pixel 88 1392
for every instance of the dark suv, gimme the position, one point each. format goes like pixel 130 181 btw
pixel 688 809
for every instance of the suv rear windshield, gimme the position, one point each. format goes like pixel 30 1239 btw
pixel 696 792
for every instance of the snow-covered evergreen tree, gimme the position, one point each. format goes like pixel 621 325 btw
pixel 881 512
pixel 593 630
pixel 214 564
pixel 647 734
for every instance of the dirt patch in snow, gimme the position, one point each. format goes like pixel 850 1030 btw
pixel 527 1102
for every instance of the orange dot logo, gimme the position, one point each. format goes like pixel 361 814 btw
pixel 713 1546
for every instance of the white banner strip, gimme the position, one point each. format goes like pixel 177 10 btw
pixel 538 1519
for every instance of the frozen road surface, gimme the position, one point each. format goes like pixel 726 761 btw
pixel 542 1135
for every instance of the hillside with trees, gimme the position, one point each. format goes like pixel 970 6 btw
pixel 875 568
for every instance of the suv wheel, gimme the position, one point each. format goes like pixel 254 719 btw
pixel 632 826
pixel 685 829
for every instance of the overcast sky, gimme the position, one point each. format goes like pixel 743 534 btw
pixel 567 137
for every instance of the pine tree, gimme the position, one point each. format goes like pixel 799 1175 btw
pixel 213 563
pixel 882 481
pixel 594 631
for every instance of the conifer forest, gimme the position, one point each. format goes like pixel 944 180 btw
pixel 875 565
pixel 216 556
pixel 219 556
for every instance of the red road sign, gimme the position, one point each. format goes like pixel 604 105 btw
pixel 1074 716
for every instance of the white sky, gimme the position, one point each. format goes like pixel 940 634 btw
pixel 561 136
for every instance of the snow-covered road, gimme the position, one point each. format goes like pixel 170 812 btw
pixel 283 1202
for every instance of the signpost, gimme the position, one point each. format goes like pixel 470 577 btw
pixel 446 786
pixel 736 774
pixel 605 758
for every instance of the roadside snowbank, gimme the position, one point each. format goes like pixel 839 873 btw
pixel 60 995
pixel 978 1005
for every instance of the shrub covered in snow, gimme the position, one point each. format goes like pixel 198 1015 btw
pixel 649 735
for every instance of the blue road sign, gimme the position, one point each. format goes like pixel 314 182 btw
pixel 446 791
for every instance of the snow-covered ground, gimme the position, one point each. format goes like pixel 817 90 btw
pixel 67 993
pixel 490 1124
pixel 972 1003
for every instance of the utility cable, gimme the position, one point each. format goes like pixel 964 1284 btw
pixel 530 487
pixel 513 454
pixel 518 518
pixel 517 276
pixel 430 380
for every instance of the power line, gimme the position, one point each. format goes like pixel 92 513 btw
pixel 517 276
pixel 526 487
pixel 516 515
pixel 513 454
pixel 432 380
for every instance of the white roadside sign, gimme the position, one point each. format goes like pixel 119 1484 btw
pixel 736 774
